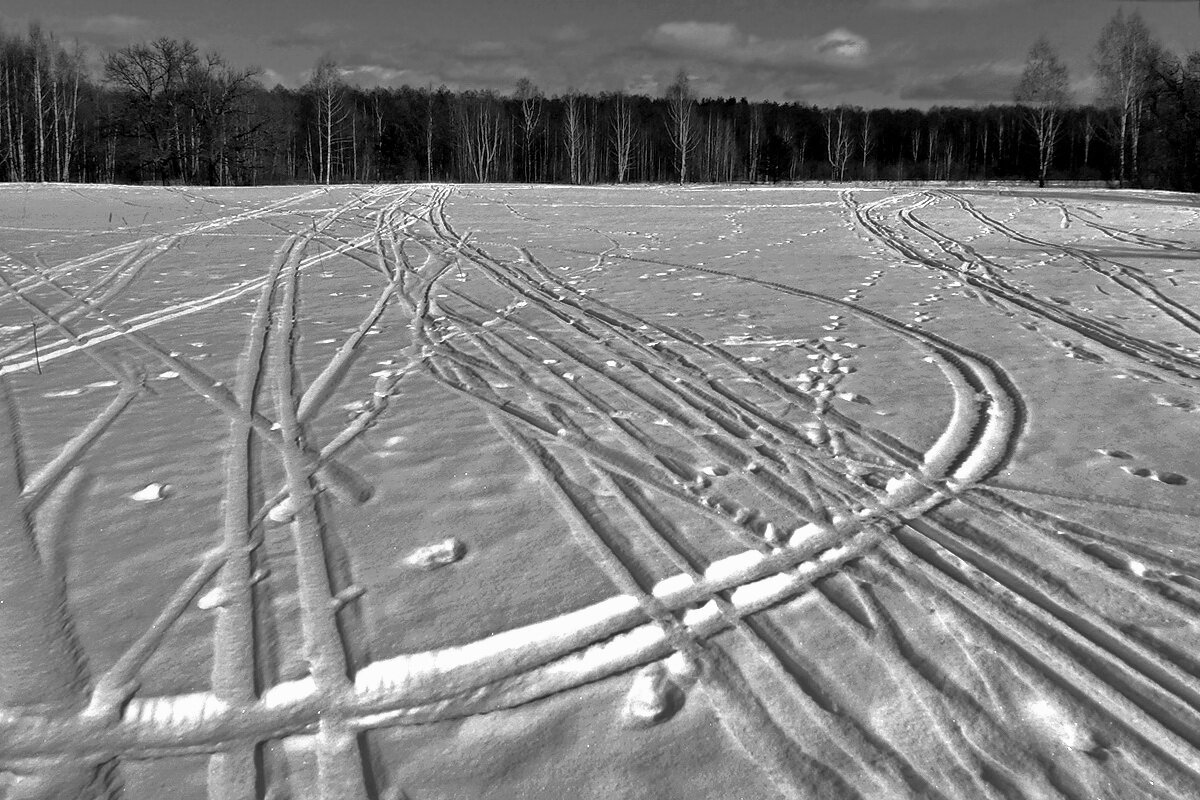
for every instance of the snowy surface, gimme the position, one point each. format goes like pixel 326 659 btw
pixel 440 492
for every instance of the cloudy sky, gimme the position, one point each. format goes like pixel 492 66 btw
pixel 867 52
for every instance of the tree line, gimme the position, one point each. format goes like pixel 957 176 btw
pixel 164 112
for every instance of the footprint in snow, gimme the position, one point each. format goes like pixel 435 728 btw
pixel 1169 478
pixel 652 698
pixel 1175 402
pixel 152 493
pixel 436 555
pixel 851 397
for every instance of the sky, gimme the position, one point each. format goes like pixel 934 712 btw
pixel 873 53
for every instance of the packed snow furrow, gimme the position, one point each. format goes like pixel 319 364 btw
pixel 108 331
pixel 1118 550
pixel 46 478
pixel 623 332
pixel 548 652
pixel 212 390
pixel 680 404
pixel 339 763
pixel 75 342
pixel 1067 660
pixel 597 401
pixel 990 717
pixel 1145 352
pixel 1144 239
pixel 642 466
pixel 144 648
pixel 879 318
pixel 851 740
pixel 816 701
pixel 958 717
pixel 1127 278
pixel 1160 559
pixel 1007 412
pixel 191 229
pixel 937 464
pixel 1135 671
pixel 234 675
pixel 102 291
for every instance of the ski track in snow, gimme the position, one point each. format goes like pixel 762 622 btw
pixel 595 401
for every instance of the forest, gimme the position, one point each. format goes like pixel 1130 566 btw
pixel 164 112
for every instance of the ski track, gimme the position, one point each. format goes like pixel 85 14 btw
pixel 596 399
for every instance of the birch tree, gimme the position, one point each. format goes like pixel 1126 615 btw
pixel 866 140
pixel 1042 94
pixel 839 140
pixel 531 100
pixel 754 136
pixel 1124 56
pixel 681 122
pixel 328 92
pixel 622 136
pixel 573 133
pixel 480 132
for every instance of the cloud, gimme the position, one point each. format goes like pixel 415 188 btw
pixel 271 78
pixel 843 45
pixel 724 42
pixel 992 82
pixel 569 34
pixel 113 25
pixel 104 31
pixel 485 49
pixel 319 33
pixel 941 5
pixel 701 37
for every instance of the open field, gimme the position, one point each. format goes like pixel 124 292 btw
pixel 540 492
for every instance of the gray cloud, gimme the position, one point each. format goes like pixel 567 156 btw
pixel 943 5
pixel 106 30
pixel 114 25
pixel 317 34
pixel 989 83
pixel 726 43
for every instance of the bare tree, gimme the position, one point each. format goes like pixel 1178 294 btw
pixel 1042 94
pixel 40 50
pixel 1089 133
pixel 13 157
pixel 866 141
pixel 573 133
pixel 797 148
pixel 530 98
pixel 151 79
pixel 754 136
pixel 480 132
pixel 328 91
pixel 214 96
pixel 839 140
pixel 1124 56
pixel 69 72
pixel 622 136
pixel 429 133
pixel 681 121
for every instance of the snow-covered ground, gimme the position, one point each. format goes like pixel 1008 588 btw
pixel 506 491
